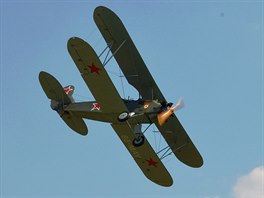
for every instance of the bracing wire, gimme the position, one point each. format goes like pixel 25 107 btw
pixel 80 97
pixel 96 39
pixel 122 83
pixel 91 33
pixel 120 75
pixel 165 152
pixel 155 138
pixel 159 141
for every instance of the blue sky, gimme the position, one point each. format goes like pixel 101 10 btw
pixel 209 52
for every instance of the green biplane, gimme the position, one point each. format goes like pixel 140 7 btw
pixel 126 116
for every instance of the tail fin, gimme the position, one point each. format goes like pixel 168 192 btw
pixel 69 90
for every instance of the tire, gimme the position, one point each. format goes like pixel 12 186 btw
pixel 123 116
pixel 139 141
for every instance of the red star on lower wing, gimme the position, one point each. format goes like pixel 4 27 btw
pixel 95 106
pixel 94 69
pixel 151 162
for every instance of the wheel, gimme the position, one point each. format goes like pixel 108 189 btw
pixel 123 116
pixel 138 141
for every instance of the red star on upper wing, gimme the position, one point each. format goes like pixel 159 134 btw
pixel 151 162
pixel 95 106
pixel 94 69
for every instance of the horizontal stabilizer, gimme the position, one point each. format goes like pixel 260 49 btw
pixel 75 123
pixel 53 88
pixel 60 99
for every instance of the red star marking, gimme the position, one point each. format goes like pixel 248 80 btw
pixel 95 106
pixel 94 69
pixel 68 89
pixel 151 162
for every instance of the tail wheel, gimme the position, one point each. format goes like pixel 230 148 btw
pixel 138 141
pixel 123 116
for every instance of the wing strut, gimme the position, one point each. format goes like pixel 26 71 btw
pixel 167 148
pixel 109 46
pixel 164 152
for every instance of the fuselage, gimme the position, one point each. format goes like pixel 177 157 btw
pixel 143 111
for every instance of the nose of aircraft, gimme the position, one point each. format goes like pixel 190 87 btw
pixel 164 115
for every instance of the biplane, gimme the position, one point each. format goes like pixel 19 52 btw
pixel 126 116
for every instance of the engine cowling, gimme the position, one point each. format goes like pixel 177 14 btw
pixel 164 115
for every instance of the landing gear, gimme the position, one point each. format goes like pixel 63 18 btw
pixel 123 116
pixel 139 137
pixel 138 141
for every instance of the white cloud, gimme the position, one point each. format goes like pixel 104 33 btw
pixel 250 185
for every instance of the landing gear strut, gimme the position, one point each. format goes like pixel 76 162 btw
pixel 139 137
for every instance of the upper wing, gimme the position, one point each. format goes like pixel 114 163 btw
pixel 180 143
pixel 128 56
pixel 96 76
pixel 144 155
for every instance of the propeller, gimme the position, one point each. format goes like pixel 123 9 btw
pixel 164 115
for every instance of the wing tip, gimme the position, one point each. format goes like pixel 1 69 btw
pixel 194 163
